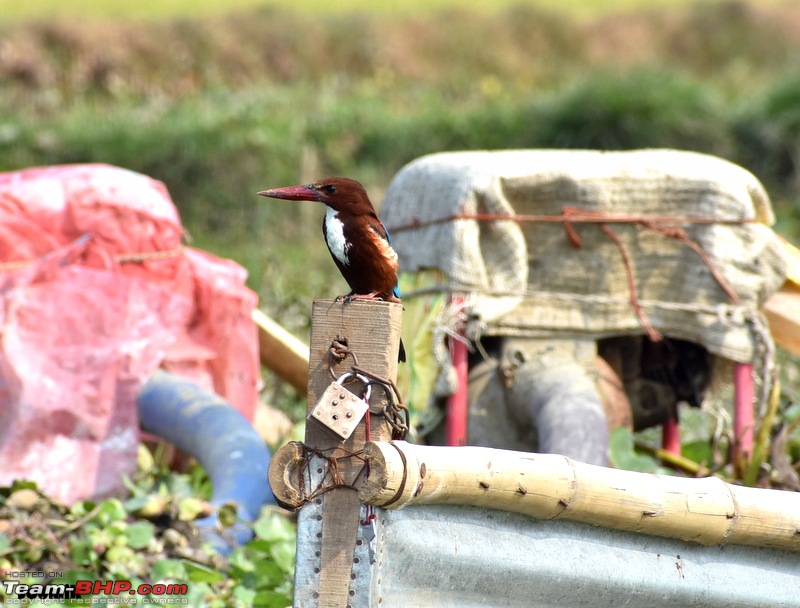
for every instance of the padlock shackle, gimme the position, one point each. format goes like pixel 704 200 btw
pixel 367 384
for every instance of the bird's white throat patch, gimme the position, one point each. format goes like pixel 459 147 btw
pixel 334 236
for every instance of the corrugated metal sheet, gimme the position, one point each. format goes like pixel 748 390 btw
pixel 465 557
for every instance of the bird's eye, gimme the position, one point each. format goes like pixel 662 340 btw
pixel 329 189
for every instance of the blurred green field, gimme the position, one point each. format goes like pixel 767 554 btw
pixel 151 9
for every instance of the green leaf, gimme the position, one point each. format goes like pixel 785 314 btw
pixel 119 555
pixel 190 508
pixel 244 595
pixel 136 503
pixel 131 486
pixel 111 510
pixel 200 573
pixel 284 555
pixel 700 451
pixel 24 484
pixel 178 486
pixel 274 527
pixel 168 569
pixel 82 551
pixel 81 508
pixel 792 413
pixel 199 594
pixel 271 599
pixel 258 547
pixel 621 453
pixel 227 514
pixel 154 506
pixel 144 459
pixel 140 534
pixel 240 563
pixel 5 542
pixel 268 575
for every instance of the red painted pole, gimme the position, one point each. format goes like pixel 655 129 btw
pixel 743 413
pixel 457 404
pixel 671 436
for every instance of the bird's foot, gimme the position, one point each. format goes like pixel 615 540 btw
pixel 372 296
pixel 346 299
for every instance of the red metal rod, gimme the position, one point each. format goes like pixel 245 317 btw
pixel 671 436
pixel 457 404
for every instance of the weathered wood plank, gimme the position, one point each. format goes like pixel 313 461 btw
pixel 372 331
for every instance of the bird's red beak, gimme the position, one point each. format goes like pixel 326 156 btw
pixel 293 193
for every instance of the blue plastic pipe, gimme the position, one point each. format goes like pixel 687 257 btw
pixel 206 427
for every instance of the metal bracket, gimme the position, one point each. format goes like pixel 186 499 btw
pixel 309 540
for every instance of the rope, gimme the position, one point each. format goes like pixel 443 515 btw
pixel 122 258
pixel 137 258
pixel 651 331
pixel 725 312
pixel 568 215
pixel 665 225
pixel 680 234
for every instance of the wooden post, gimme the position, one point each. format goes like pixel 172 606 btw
pixel 371 330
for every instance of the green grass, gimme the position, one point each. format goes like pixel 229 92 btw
pixel 147 538
pixel 13 11
pixel 214 151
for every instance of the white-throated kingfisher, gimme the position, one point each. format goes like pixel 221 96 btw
pixel 358 241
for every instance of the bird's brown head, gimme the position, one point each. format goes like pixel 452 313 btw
pixel 338 193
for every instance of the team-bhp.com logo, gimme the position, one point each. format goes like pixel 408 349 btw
pixel 109 592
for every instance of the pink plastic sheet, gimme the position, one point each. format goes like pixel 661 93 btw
pixel 96 293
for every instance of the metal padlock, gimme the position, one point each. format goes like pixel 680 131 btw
pixel 339 409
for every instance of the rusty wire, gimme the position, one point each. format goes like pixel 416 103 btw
pixel 338 352
pixel 395 413
pixel 333 477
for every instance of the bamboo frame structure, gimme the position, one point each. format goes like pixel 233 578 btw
pixel 707 510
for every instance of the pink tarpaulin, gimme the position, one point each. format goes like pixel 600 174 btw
pixel 96 293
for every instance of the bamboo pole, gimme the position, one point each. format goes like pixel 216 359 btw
pixel 548 486
pixel 782 311
pixel 281 352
